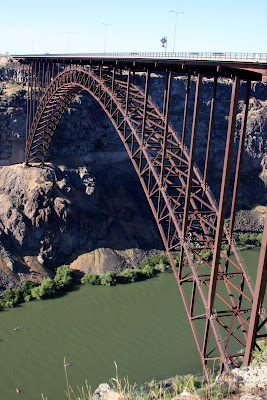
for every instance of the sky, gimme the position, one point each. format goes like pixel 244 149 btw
pixel 95 26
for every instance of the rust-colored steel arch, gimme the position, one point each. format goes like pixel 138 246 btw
pixel 217 291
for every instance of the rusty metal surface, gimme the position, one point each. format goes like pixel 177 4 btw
pixel 255 325
pixel 218 294
pixel 247 66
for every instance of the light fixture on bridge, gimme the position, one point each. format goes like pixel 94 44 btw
pixel 69 33
pixel 106 25
pixel 176 13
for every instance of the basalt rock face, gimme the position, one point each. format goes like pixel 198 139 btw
pixel 87 207
pixel 12 123
pixel 53 215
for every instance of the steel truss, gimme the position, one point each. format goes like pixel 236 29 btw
pixel 223 307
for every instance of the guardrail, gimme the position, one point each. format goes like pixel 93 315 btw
pixel 206 56
pixel 244 57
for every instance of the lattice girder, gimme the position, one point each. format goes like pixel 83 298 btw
pixel 217 293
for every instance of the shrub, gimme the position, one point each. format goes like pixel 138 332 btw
pixel 161 267
pixel 156 259
pixel 148 271
pixel 108 279
pixel 9 304
pixel 259 239
pixel 92 279
pixel 27 286
pixel 207 254
pixel 176 258
pixel 189 382
pixel 63 278
pixel 153 384
pixel 36 293
pixel 144 272
pixel 46 289
pixel 260 355
pixel 164 259
pixel 11 297
pixel 128 275
pixel 247 239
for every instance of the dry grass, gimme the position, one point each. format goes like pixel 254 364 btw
pixel 196 388
pixel 83 393
pixel 11 88
pixel 125 389
pixel 186 387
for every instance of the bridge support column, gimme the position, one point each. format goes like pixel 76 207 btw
pixel 166 113
pixel 224 193
pixel 185 111
pixel 141 161
pixel 239 159
pixel 191 164
pixel 212 109
pixel 258 299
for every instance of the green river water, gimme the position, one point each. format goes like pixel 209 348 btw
pixel 142 326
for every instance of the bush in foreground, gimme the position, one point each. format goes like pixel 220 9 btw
pixel 260 354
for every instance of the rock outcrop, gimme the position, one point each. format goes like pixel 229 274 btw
pixel 55 215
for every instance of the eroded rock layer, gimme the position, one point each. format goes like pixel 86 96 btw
pixel 53 215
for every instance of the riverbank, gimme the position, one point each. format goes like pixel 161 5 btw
pixel 65 278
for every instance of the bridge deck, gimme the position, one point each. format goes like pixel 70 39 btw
pixel 219 64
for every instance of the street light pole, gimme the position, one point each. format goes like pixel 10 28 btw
pixel 106 25
pixel 69 41
pixel 176 13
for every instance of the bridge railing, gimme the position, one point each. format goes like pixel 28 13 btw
pixel 235 57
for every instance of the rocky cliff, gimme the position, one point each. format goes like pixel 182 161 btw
pixel 87 207
pixel 79 215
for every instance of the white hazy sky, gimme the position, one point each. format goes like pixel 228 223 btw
pixel 53 26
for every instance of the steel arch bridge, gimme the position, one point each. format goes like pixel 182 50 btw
pixel 223 306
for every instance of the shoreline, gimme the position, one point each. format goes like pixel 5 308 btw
pixel 52 288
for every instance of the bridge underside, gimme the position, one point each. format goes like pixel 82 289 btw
pixel 223 307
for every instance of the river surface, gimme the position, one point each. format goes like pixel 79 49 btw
pixel 141 326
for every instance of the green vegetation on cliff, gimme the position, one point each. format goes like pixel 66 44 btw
pixel 62 281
